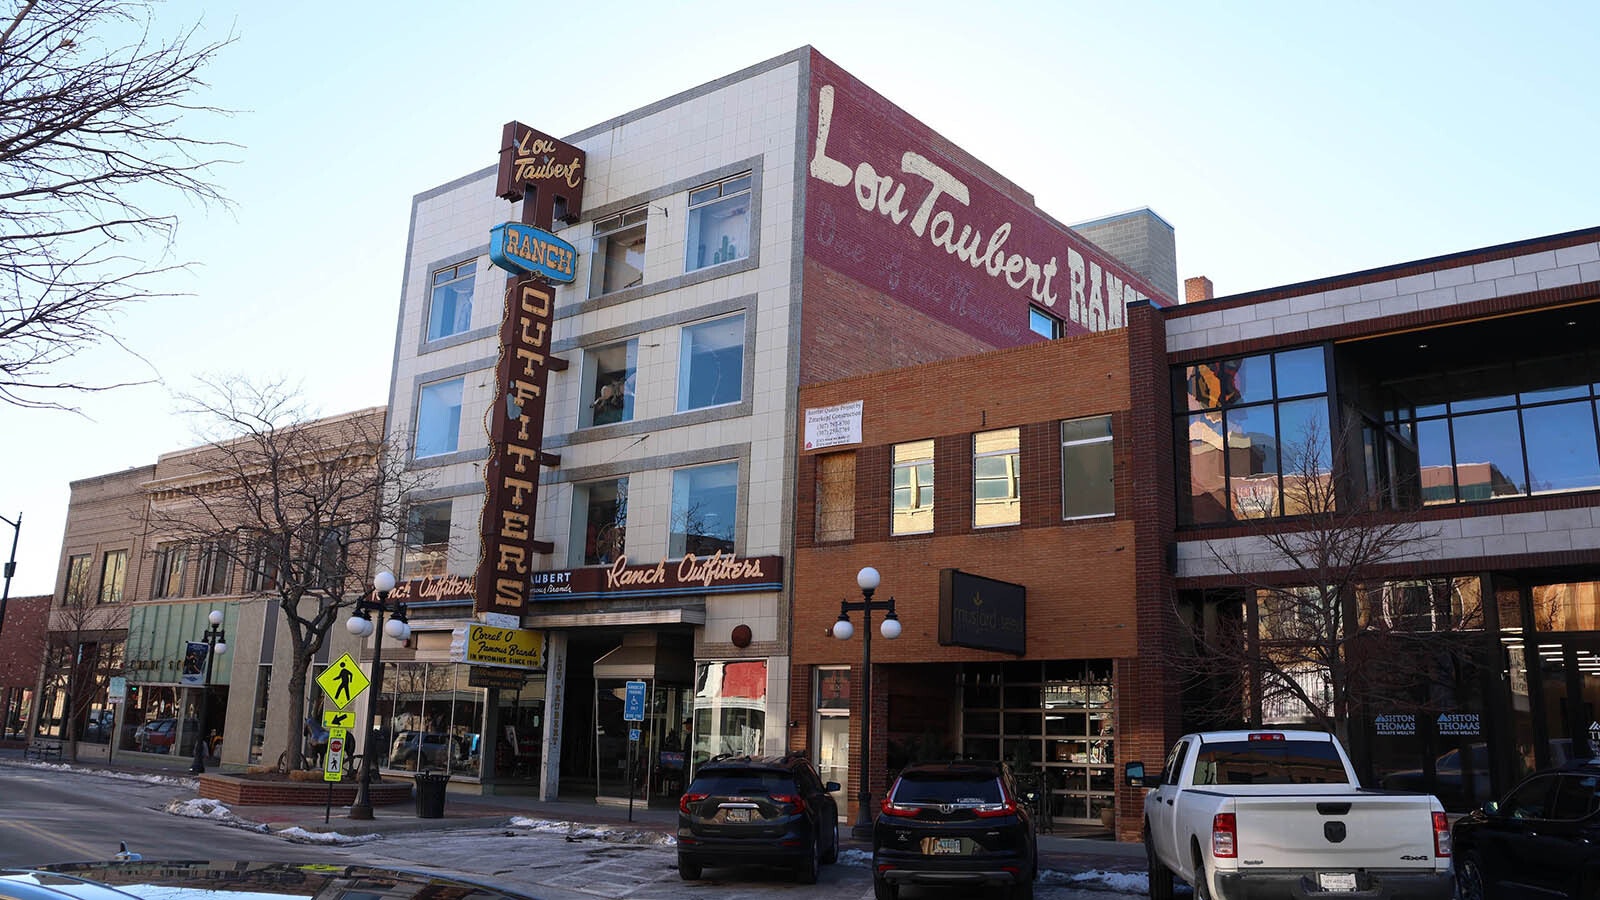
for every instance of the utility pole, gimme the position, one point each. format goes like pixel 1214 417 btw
pixel 11 566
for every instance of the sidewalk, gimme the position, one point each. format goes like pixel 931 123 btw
pixel 1065 850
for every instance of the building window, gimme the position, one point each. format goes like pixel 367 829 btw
pixel 427 550
pixel 1086 468
pixel 265 564
pixel 1044 324
pixel 450 308
pixel 836 496
pixel 169 571
pixel 711 363
pixel 618 258
pixel 602 507
pixel 913 488
pixel 719 223
pixel 705 507
pixel 113 569
pixel 996 492
pixel 609 374
pixel 438 418
pixel 77 580
pixel 216 568
pixel 1255 425
pixel 330 562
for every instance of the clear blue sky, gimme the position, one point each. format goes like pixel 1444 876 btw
pixel 1282 141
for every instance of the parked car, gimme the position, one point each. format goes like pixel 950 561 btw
pixel 157 735
pixel 420 750
pixel 1281 813
pixel 97 730
pixel 957 823
pixel 1542 839
pixel 758 810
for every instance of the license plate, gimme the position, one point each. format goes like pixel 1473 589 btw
pixel 944 846
pixel 737 815
pixel 1336 881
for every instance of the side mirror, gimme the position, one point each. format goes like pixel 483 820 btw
pixel 831 787
pixel 1492 808
pixel 1134 774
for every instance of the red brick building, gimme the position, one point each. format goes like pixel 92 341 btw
pixel 21 655
pixel 1047 475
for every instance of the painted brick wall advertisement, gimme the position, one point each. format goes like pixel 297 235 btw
pixel 887 207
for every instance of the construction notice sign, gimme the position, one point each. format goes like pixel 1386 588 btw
pixel 333 762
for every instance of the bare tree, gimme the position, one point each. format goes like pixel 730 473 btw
pixel 298 506
pixel 1323 619
pixel 93 109
pixel 84 652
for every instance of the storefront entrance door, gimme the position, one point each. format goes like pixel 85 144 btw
pixel 1569 675
pixel 651 769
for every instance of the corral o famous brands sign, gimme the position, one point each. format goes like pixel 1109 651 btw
pixel 886 207
pixel 546 175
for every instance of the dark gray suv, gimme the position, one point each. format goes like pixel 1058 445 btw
pixel 957 823
pixel 758 810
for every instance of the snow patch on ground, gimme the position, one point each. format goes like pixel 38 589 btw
pixel 213 810
pixel 144 777
pixel 301 836
pixel 1120 882
pixel 609 833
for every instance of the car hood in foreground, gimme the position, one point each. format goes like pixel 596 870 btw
pixel 197 880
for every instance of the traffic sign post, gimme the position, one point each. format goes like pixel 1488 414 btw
pixel 333 765
pixel 633 711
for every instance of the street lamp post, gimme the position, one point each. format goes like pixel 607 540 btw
pixel 360 624
pixel 867 580
pixel 11 565
pixel 217 642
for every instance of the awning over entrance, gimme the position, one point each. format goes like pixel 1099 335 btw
pixel 644 657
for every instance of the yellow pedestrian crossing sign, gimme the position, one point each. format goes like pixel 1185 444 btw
pixel 338 719
pixel 343 681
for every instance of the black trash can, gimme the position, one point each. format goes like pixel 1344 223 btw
pixel 430 794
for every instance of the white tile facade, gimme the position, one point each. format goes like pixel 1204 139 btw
pixel 1462 284
pixel 698 139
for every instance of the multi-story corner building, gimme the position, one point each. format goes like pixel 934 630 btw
pixel 135 590
pixel 1453 396
pixel 627 442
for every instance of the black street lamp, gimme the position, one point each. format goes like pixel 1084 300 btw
pixel 11 566
pixel 360 624
pixel 217 641
pixel 867 580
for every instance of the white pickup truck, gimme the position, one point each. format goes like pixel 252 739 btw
pixel 1257 815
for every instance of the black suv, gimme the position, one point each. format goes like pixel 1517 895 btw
pixel 758 810
pixel 955 823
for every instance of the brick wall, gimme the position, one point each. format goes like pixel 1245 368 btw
pixel 22 649
pixel 1082 577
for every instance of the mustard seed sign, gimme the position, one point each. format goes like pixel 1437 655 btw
pixel 343 681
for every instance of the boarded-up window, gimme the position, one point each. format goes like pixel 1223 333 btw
pixel 836 496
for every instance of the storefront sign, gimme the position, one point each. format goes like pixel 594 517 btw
pixel 1395 724
pixel 1459 723
pixel 552 171
pixel 433 587
pixel 833 426
pixel 501 679
pixel 886 207
pixel 719 573
pixel 982 613
pixel 516 433
pixel 482 645
pixel 525 250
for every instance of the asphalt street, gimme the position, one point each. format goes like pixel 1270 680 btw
pixel 560 850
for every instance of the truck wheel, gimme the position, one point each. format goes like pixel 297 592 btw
pixel 1202 888
pixel 1469 877
pixel 1160 875
pixel 688 871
